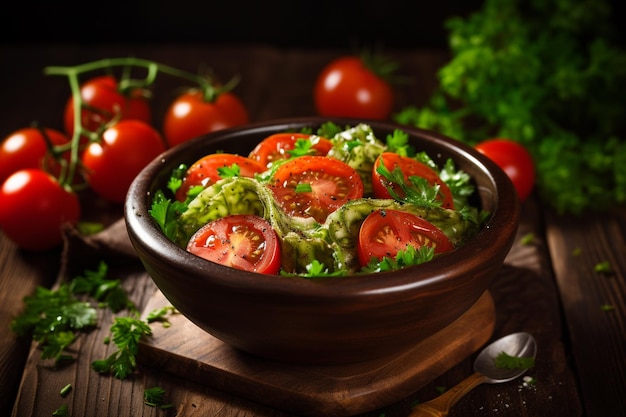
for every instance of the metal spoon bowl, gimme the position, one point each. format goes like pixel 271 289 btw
pixel 520 344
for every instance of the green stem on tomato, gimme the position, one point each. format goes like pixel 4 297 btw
pixel 205 83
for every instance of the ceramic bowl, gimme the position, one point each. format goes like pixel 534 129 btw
pixel 333 321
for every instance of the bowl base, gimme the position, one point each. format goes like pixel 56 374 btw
pixel 338 390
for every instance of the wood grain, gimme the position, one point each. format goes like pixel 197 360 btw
pixel 541 288
pixel 577 245
pixel 187 351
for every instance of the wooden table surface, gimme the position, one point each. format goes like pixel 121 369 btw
pixel 547 287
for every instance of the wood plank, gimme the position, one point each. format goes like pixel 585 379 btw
pixel 598 337
pixel 187 351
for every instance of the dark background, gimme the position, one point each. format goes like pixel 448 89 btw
pixel 282 23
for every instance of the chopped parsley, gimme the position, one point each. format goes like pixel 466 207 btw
pixel 504 360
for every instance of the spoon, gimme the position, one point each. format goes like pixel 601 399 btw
pixel 485 371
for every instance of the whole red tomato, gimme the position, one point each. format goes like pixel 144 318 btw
pixel 515 160
pixel 190 116
pixel 103 100
pixel 33 207
pixel 125 149
pixel 348 88
pixel 27 148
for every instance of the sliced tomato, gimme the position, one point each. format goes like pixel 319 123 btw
pixel 385 232
pixel 205 172
pixel 315 186
pixel 240 241
pixel 409 167
pixel 278 145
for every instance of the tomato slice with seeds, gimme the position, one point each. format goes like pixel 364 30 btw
pixel 205 172
pixel 385 232
pixel 409 167
pixel 315 186
pixel 240 241
pixel 277 147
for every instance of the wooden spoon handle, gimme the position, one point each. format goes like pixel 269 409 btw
pixel 440 406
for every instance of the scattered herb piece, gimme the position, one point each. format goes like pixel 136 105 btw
pixel 404 258
pixel 607 307
pixel 301 147
pixel 160 314
pixel 504 360
pixel 90 228
pixel 604 267
pixel 53 317
pixel 441 389
pixel 126 333
pixel 398 142
pixel 417 190
pixel 65 390
pixel 527 239
pixel 303 187
pixel 154 397
pixel 577 252
pixel 229 172
pixel 95 284
pixel 316 269
pixel 62 411
pixel 165 212
pixel 328 130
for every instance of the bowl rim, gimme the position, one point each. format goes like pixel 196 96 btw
pixel 500 229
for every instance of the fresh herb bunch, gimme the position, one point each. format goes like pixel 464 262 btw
pixel 549 74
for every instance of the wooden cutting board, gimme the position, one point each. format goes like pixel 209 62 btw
pixel 189 352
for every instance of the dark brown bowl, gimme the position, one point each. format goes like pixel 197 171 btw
pixel 334 321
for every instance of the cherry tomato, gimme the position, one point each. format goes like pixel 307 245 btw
pixel 27 148
pixel 240 241
pixel 515 160
pixel 102 100
pixel 315 186
pixel 125 149
pixel 33 207
pixel 346 87
pixel 278 145
pixel 409 167
pixel 204 171
pixel 190 116
pixel 385 232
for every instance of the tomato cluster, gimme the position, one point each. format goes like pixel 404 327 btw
pixel 108 137
pixel 312 185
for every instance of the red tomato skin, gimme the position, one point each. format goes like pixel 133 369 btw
pixel 241 241
pixel 277 147
pixel 102 93
pixel 204 171
pixel 189 116
pixel 347 88
pixel 410 167
pixel 26 148
pixel 515 161
pixel 114 162
pixel 385 232
pixel 333 184
pixel 33 207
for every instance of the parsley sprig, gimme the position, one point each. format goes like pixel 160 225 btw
pixel 127 331
pixel 55 316
pixel 404 258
